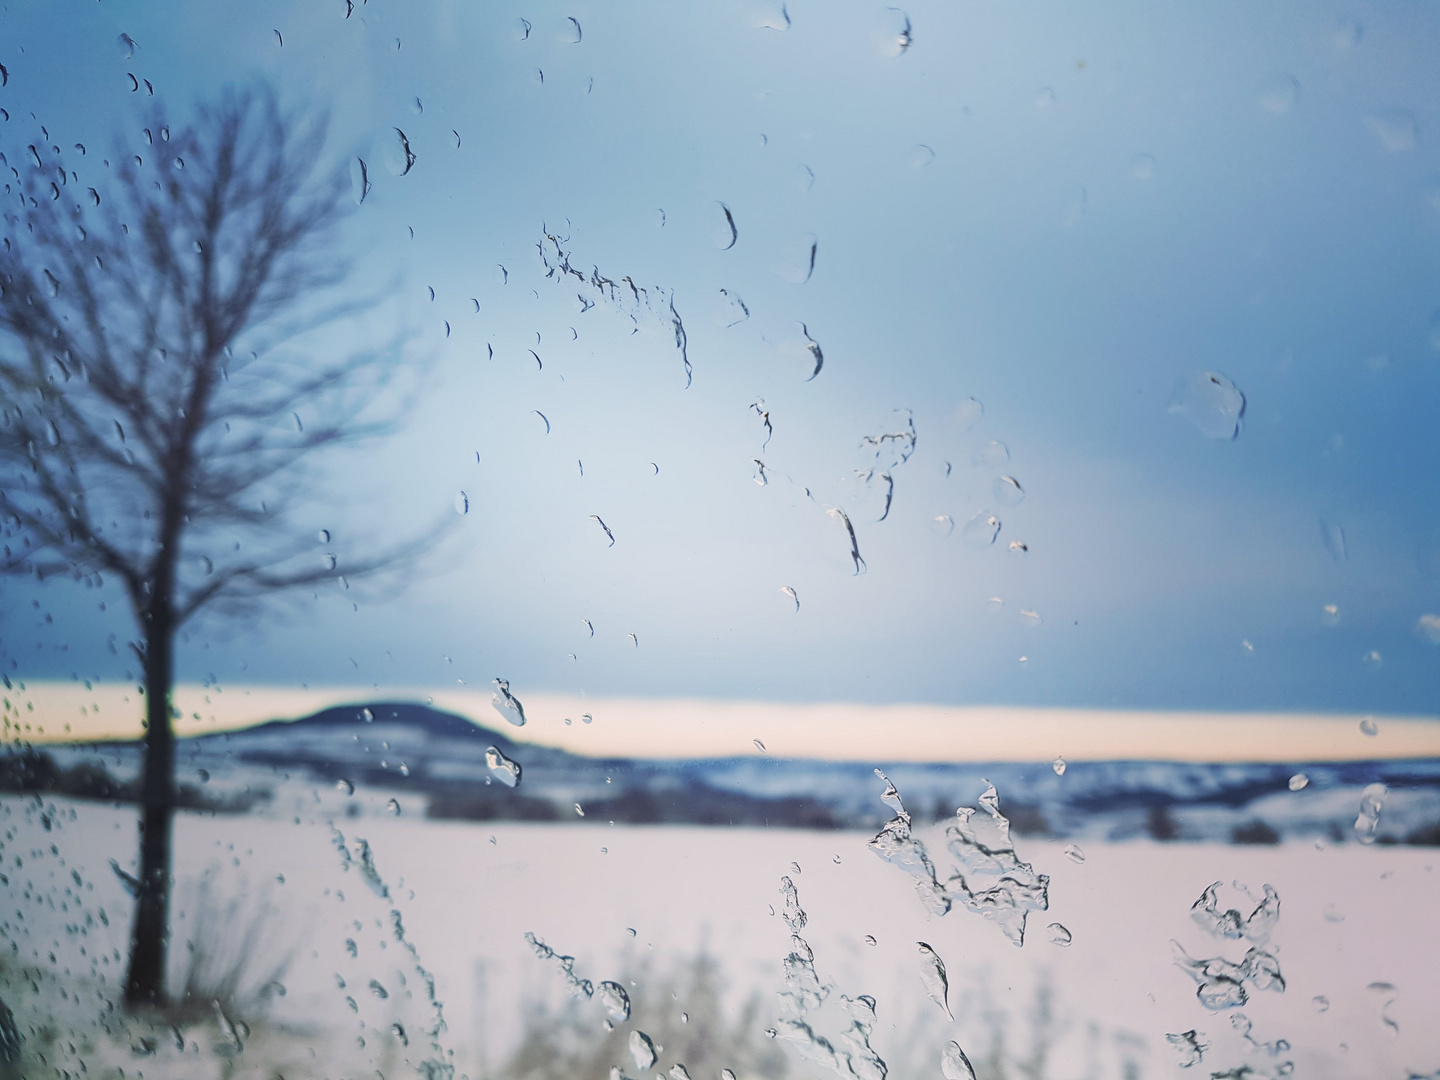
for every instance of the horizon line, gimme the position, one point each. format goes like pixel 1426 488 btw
pixel 54 711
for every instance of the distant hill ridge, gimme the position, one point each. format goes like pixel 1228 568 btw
pixel 431 720
pixel 414 748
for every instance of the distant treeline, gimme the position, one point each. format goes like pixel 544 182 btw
pixel 31 771
pixel 636 800
pixel 695 804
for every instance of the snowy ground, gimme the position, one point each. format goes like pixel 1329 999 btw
pixel 1354 921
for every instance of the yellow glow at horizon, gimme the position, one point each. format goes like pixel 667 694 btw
pixel 658 728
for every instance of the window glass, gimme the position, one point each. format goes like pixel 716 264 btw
pixel 718 541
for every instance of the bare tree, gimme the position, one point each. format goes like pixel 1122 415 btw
pixel 165 371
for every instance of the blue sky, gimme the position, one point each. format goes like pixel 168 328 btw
pixel 1060 214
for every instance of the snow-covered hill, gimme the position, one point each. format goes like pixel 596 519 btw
pixel 388 755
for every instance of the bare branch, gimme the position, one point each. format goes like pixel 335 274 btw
pixel 160 337
pixel 250 581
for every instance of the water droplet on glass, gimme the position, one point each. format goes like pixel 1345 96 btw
pixel 1372 660
pixel 920 156
pixel 790 595
pixel 127 46
pixel 359 180
pixel 570 31
pixel 1332 913
pixel 990 455
pixel 1030 618
pixel 1278 93
pixel 462 503
pixel 580 810
pixel 1211 402
pixel 980 531
pixel 803 177
pixel 896 33
pixel 795 868
pixel 770 15
pixel 1299 782
pixel 1007 491
pixel 1330 615
pixel 345 785
pixel 506 704
pixel 797 259
pixel 395 151
pixel 1059 935
pixel 932 975
pixel 642 1050
pixel 1142 166
pixel 394 807
pixel 724 231
pixel 1059 766
pixel 1367 822
pixel 966 415
pixel 1395 130
pixel 1074 853
pixel 954 1065
pixel 1044 98
pixel 615 1000
pixel 731 310
pixel 1429 626
pixel 502 768
pixel 870 939
pixel 1368 726
pixel 586 718
pixel 1188 1045
pixel 1320 1003
pixel 603 528
pixel 942 525
pixel 759 745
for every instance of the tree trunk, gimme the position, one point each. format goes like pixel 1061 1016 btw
pixel 150 933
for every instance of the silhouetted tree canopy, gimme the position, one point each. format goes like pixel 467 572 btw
pixel 173 348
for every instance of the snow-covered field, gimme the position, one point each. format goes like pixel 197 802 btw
pixel 1358 928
